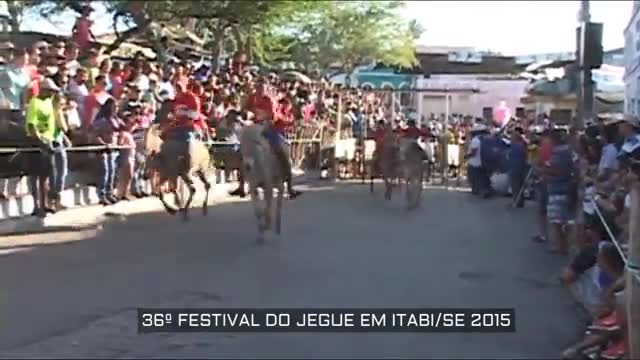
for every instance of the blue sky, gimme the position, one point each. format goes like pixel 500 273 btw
pixel 511 27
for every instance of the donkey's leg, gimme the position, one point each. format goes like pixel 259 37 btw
pixel 255 199
pixel 279 207
pixel 207 187
pixel 268 200
pixel 171 210
pixel 192 190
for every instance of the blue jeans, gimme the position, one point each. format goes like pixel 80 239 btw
pixel 275 138
pixel 107 180
pixel 138 179
pixel 59 169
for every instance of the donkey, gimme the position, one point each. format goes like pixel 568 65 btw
pixel 412 158
pixel 262 169
pixel 400 159
pixel 386 163
pixel 182 159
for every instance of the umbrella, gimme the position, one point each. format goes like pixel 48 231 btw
pixel 296 76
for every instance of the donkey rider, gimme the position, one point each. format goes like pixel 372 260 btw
pixel 409 137
pixel 262 106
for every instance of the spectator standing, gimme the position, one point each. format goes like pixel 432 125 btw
pixel 78 90
pixel 116 80
pixel 42 128
pixel 82 34
pixel 14 82
pixel 559 176
pixel 71 58
pixel 474 159
pixel 127 156
pixel 59 144
pixel 105 71
pixel 106 126
pixel 518 166
pixel 94 102
pixel 166 84
pixel 93 67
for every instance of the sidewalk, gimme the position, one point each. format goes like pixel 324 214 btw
pixel 84 213
pixel 83 210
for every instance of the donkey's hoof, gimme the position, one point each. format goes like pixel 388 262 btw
pixel 185 217
pixel 205 211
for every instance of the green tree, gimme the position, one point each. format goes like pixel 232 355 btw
pixel 350 34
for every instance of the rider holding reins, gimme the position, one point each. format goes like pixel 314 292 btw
pixel 264 111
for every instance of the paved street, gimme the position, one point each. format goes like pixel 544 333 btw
pixel 75 294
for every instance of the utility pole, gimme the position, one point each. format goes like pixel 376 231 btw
pixel 585 89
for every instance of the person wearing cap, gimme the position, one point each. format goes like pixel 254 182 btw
pixel 628 127
pixel 41 126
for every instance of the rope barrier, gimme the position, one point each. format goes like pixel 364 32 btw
pixel 11 150
pixel 634 269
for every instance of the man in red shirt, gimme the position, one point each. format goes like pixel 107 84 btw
pixel 265 111
pixel 97 97
pixel 412 131
pixel 186 115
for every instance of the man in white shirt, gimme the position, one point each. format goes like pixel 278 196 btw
pixel 71 53
pixel 165 85
pixel 78 89
pixel 474 159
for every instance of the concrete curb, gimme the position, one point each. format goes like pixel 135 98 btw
pixel 15 211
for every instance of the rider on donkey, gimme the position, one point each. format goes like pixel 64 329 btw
pixel 187 120
pixel 410 135
pixel 264 109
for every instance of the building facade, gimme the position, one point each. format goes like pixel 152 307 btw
pixel 632 61
pixel 479 95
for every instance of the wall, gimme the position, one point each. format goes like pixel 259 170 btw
pixel 632 62
pixel 491 93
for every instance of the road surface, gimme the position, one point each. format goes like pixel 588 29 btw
pixel 72 295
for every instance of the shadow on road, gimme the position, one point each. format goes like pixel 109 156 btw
pixel 340 247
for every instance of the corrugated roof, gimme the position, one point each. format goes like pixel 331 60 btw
pixel 491 64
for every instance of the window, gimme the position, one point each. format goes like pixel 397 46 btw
pixel 633 106
pixel 520 113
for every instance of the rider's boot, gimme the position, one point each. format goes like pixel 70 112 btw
pixel 286 168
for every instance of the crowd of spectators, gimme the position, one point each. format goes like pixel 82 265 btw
pixel 582 182
pixel 64 94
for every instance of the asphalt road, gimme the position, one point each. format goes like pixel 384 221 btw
pixel 72 295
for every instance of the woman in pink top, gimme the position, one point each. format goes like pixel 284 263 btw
pixel 82 34
pixel 115 77
pixel 127 157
